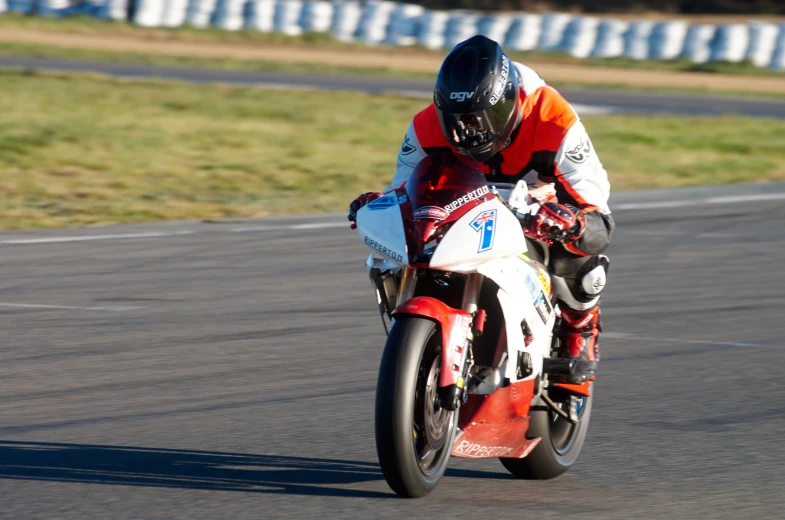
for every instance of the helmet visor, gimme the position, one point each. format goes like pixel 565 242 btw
pixel 479 128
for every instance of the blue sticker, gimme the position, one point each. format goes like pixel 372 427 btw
pixel 383 203
pixel 485 223
pixel 532 286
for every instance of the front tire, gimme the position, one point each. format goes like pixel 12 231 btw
pixel 560 446
pixel 414 435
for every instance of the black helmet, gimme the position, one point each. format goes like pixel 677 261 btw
pixel 476 98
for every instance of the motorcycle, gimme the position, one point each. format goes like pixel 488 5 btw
pixel 470 366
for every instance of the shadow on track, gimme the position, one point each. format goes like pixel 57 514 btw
pixel 151 467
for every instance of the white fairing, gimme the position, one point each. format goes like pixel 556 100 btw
pixel 381 228
pixel 486 232
pixel 522 298
pixel 488 240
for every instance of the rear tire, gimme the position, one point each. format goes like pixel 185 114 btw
pixel 414 436
pixel 559 448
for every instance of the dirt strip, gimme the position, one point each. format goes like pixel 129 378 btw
pixel 402 59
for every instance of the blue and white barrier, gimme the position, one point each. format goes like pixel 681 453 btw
pixel 346 17
pixel 432 29
pixel 113 10
pixel 460 26
pixel 524 32
pixel 372 27
pixel 552 31
pixel 384 21
pixel 778 57
pixel 316 16
pixel 229 14
pixel 199 13
pixel 636 40
pixel 20 6
pixel 404 25
pixel 610 39
pixel 697 44
pixel 494 26
pixel 763 40
pixel 730 43
pixel 667 40
pixel 580 36
pixel 260 15
pixel 287 17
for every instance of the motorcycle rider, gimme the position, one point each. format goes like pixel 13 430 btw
pixel 504 116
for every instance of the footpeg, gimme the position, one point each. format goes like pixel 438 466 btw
pixel 558 366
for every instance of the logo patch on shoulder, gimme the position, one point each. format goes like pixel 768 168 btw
pixel 406 148
pixel 581 152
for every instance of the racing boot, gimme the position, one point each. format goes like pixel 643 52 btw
pixel 581 330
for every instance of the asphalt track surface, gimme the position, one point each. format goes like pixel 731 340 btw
pixel 227 370
pixel 591 100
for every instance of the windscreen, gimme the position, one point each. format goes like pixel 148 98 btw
pixel 444 181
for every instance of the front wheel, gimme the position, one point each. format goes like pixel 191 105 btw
pixel 414 435
pixel 561 442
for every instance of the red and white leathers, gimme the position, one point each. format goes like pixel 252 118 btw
pixel 550 147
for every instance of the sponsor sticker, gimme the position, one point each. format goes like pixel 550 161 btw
pixel 383 203
pixel 432 212
pixel 498 92
pixel 485 223
pixel 474 195
pixel 542 307
pixel 472 449
pixel 532 286
pixel 386 251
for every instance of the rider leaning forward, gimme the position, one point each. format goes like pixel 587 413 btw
pixel 503 115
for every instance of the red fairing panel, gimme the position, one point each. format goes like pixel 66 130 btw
pixel 455 325
pixel 495 425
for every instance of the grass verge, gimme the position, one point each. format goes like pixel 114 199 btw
pixel 83 149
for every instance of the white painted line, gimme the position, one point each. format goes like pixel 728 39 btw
pixel 594 110
pixel 699 202
pixel 85 238
pixel 116 308
pixel 633 337
pixel 292 227
pixel 330 225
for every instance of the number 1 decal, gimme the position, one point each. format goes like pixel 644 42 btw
pixel 485 223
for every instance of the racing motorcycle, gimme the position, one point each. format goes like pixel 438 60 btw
pixel 470 367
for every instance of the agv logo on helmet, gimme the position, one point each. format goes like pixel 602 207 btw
pixel 461 96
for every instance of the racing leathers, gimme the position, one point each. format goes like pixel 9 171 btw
pixel 549 149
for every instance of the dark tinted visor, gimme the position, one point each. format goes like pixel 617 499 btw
pixel 476 128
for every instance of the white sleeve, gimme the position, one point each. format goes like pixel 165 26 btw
pixel 579 166
pixel 410 155
pixel 529 79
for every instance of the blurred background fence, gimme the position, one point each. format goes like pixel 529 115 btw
pixel 383 22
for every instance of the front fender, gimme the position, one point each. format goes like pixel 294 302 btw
pixel 456 328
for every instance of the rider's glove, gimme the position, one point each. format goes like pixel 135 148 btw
pixel 559 222
pixel 359 202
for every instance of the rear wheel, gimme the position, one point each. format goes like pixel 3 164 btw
pixel 562 441
pixel 414 435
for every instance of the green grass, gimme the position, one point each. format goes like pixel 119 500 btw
pixel 64 53
pixel 77 149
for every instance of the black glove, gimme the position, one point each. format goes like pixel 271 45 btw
pixel 361 201
pixel 560 222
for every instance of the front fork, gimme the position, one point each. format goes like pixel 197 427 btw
pixel 451 397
